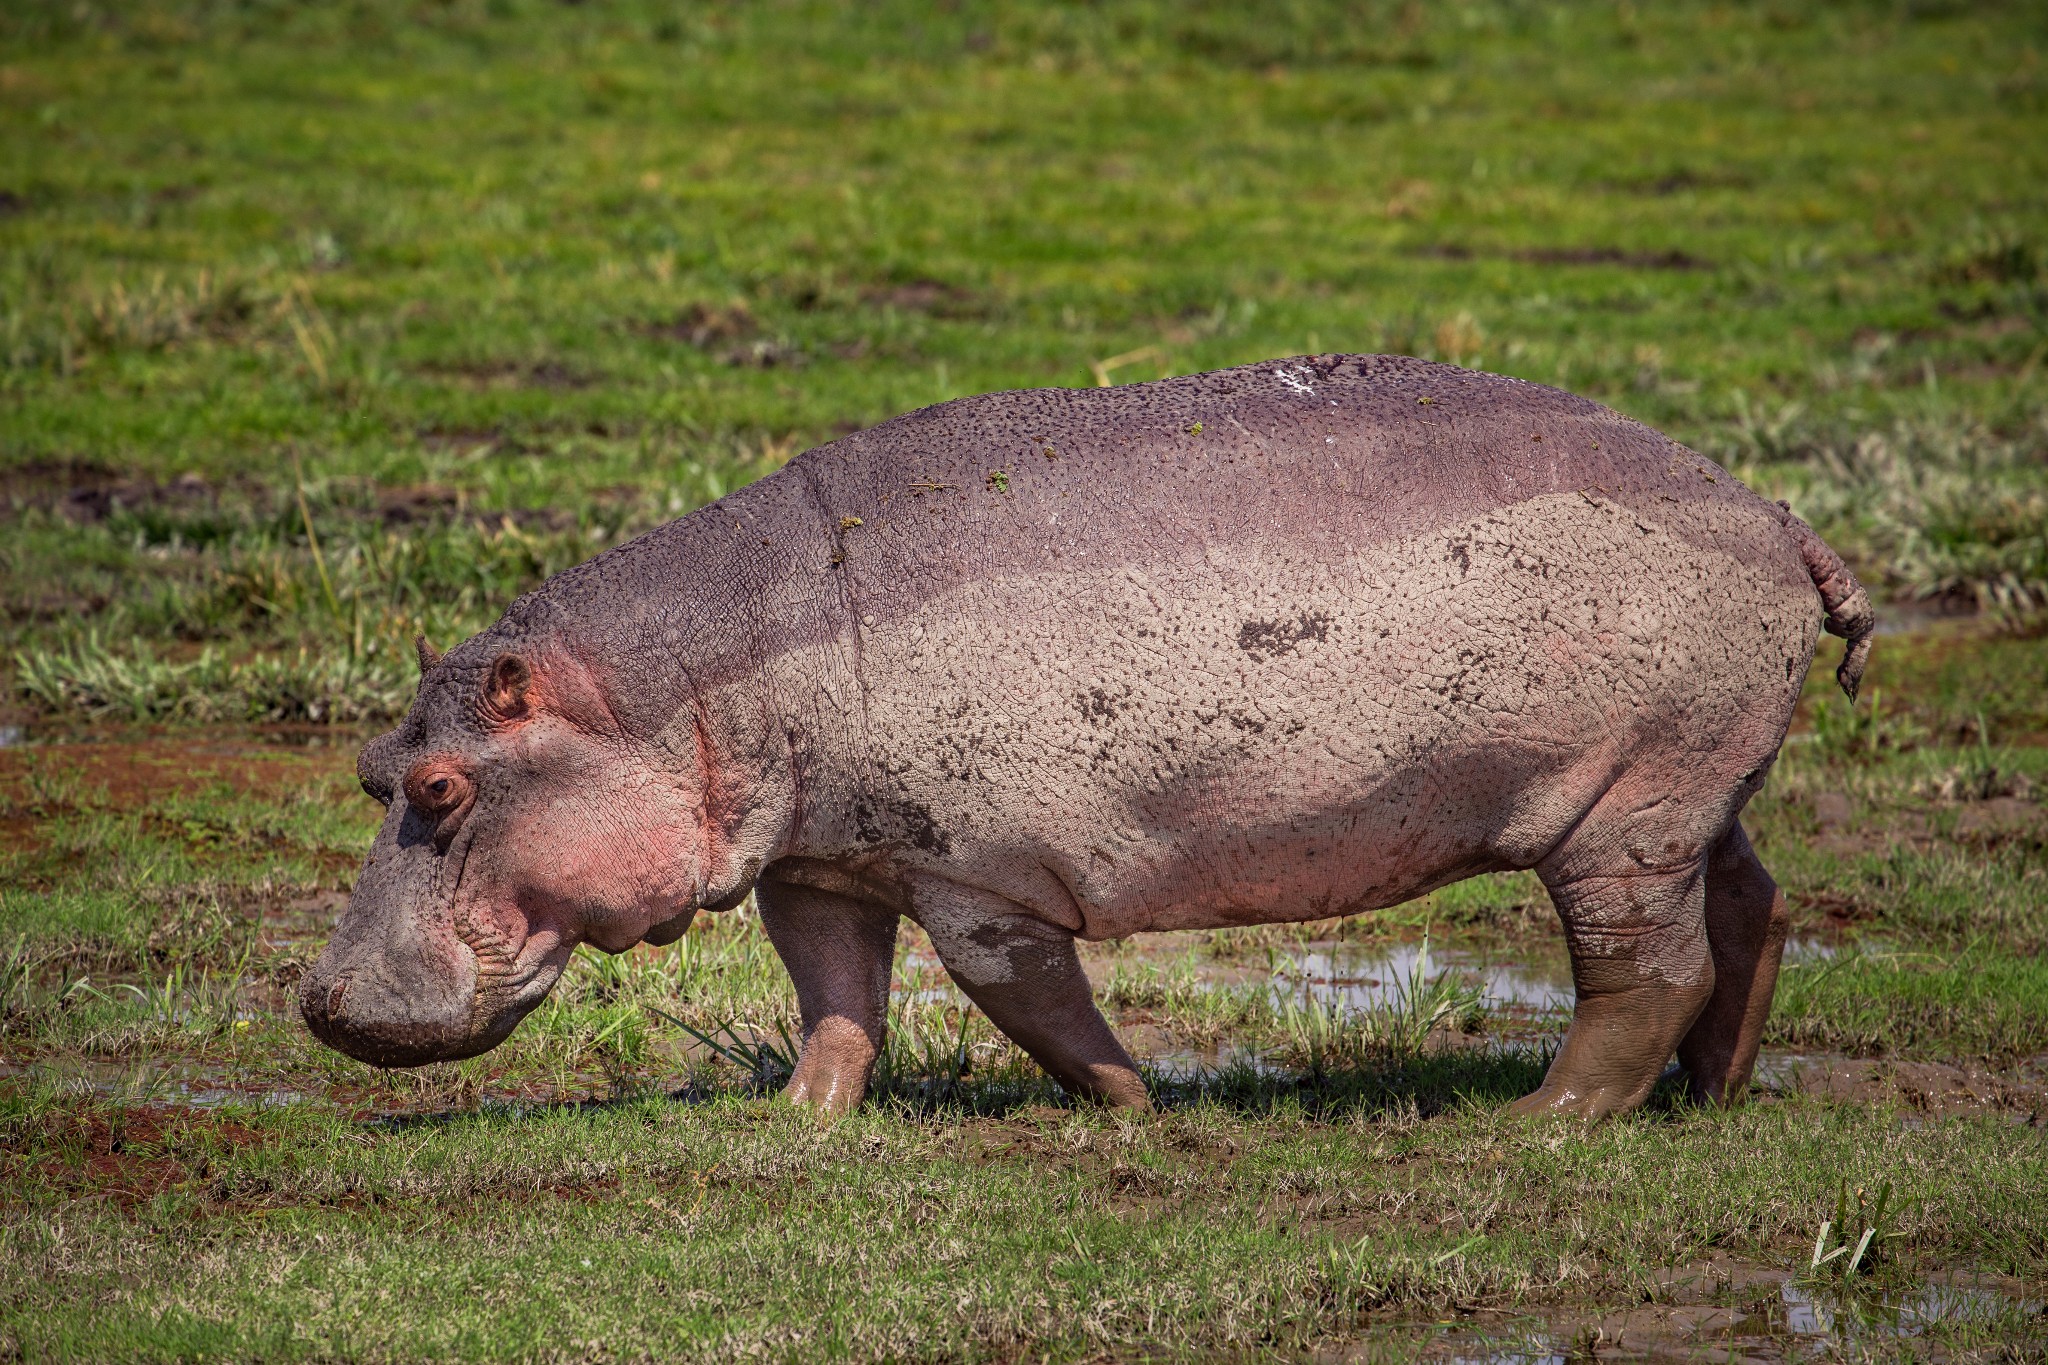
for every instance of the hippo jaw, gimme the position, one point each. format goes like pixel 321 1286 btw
pixel 365 1010
pixel 416 972
pixel 515 829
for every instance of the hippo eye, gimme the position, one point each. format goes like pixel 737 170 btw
pixel 440 791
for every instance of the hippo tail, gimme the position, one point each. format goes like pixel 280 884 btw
pixel 1848 607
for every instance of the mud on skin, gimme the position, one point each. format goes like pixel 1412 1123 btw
pixel 1307 637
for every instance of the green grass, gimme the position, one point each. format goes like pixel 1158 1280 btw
pixel 735 1228
pixel 383 279
pixel 1976 1003
pixel 1358 1181
pixel 325 325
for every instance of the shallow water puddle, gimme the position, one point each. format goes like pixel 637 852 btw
pixel 1357 978
pixel 190 1084
pixel 1370 976
pixel 1949 1301
pixel 206 1086
pixel 1526 999
pixel 1771 1316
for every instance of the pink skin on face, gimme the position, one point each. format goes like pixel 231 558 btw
pixel 607 852
pixel 544 835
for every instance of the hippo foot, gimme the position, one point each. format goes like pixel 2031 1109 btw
pixel 1026 976
pixel 832 1074
pixel 1563 1099
pixel 1720 1086
pixel 1725 1095
pixel 1120 1087
pixel 838 952
pixel 1614 1052
pixel 1698 1091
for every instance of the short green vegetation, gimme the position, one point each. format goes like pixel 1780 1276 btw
pixel 325 325
pixel 320 326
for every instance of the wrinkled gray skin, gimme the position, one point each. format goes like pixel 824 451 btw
pixel 1300 639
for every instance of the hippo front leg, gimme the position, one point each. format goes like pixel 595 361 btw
pixel 839 951
pixel 1027 978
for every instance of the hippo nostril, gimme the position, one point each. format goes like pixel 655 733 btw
pixel 334 998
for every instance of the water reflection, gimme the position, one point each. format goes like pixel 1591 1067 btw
pixel 1800 1318
pixel 1362 979
pixel 181 1083
pixel 1845 1317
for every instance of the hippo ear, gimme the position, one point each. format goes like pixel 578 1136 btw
pixel 507 691
pixel 518 687
pixel 429 656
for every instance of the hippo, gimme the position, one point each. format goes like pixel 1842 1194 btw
pixel 1300 639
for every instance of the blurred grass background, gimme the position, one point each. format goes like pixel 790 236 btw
pixel 323 324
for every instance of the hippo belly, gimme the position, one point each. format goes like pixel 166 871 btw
pixel 1251 736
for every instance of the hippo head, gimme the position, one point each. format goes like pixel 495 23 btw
pixel 521 820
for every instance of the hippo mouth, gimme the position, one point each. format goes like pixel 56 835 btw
pixel 500 999
pixel 420 972
pixel 362 1012
pixel 382 1037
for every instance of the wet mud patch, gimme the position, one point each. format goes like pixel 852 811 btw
pixel 1995 821
pixel 57 799
pixel 1681 180
pixel 731 333
pixel 418 504
pixel 256 1073
pixel 2000 810
pixel 936 297
pixel 126 1154
pixel 433 506
pixel 511 374
pixel 1669 259
pixel 476 441
pixel 705 325
pixel 129 771
pixel 1935 1089
pixel 87 492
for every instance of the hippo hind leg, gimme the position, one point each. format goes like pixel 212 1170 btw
pixel 1632 884
pixel 1746 927
pixel 1642 973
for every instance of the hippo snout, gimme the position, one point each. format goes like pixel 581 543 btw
pixel 361 1005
